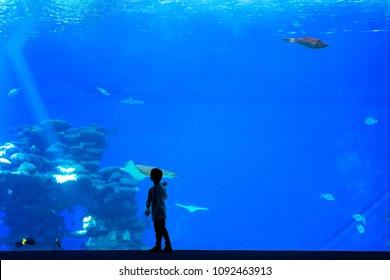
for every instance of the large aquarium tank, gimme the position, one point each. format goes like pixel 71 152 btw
pixel 269 118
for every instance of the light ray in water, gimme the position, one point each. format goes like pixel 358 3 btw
pixel 15 53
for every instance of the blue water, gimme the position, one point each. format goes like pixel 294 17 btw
pixel 255 127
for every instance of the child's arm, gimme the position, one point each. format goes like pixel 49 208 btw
pixel 148 202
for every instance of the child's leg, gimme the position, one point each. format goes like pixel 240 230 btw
pixel 159 233
pixel 165 234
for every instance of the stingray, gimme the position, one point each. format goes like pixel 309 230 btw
pixel 140 172
pixel 191 207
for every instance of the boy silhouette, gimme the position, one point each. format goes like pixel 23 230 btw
pixel 156 198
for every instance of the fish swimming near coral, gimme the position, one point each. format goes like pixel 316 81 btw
pixel 132 101
pixel 140 172
pixel 307 42
pixel 103 91
pixel 359 218
pixel 191 207
pixel 14 92
pixel 327 196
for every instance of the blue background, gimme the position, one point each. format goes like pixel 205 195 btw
pixel 256 128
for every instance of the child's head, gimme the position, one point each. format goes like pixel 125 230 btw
pixel 156 175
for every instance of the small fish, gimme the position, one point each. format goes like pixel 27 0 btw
pixel 103 91
pixel 29 241
pixel 14 92
pixel 58 243
pixel 191 207
pixel 132 101
pixel 4 160
pixel 370 121
pixel 312 43
pixel 11 195
pixel 359 218
pixel 327 196
pixel 360 228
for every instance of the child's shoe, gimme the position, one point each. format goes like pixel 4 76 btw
pixel 168 248
pixel 155 249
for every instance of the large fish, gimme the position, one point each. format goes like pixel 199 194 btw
pixel 191 207
pixel 312 43
pixel 103 91
pixel 14 92
pixel 140 172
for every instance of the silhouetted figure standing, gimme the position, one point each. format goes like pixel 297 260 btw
pixel 156 198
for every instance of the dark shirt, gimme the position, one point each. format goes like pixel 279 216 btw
pixel 156 198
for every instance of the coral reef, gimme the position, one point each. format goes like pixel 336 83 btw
pixel 51 167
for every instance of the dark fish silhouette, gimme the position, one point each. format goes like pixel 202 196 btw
pixel 29 241
pixel 312 43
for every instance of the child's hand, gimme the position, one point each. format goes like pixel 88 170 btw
pixel 164 183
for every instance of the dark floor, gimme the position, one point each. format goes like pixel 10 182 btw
pixel 192 255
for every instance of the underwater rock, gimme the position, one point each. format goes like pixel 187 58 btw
pixel 19 178
pixel 66 166
pixel 27 167
pixel 41 162
pixel 76 151
pixel 116 176
pixel 8 149
pixel 107 172
pixel 42 156
pixel 91 165
pixel 24 143
pixel 99 182
pixel 19 158
pixel 127 181
pixel 5 163
pixel 57 125
pixel 95 152
pixel 74 136
pixel 37 137
pixel 56 150
pixel 61 178
pixel 85 182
